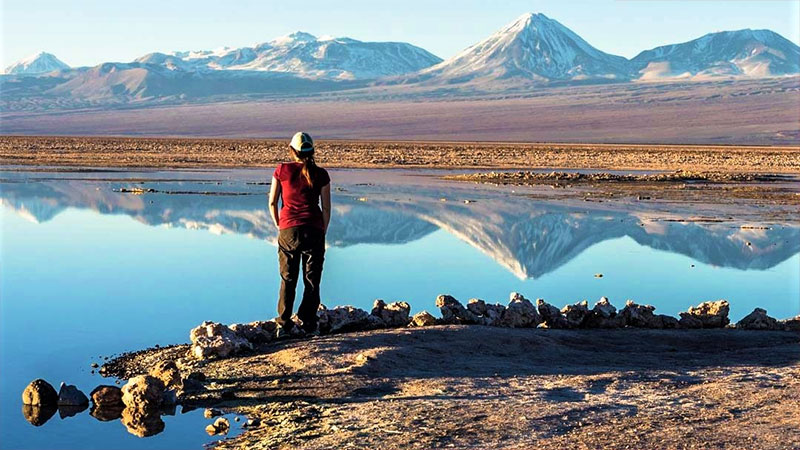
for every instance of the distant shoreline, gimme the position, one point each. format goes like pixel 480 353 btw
pixel 206 153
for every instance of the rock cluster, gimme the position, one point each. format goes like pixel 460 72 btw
pixel 520 313
pixel 392 315
pixel 215 339
pixel 706 315
pixel 342 319
pixel 453 312
pixel 139 404
pixel 259 332
pixel 792 324
pixel 488 314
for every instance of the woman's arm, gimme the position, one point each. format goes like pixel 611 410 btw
pixel 326 205
pixel 274 197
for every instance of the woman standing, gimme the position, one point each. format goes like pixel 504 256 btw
pixel 300 185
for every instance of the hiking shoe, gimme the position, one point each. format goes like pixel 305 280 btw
pixel 313 334
pixel 282 333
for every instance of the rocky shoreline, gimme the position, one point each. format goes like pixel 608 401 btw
pixel 158 379
pixel 217 340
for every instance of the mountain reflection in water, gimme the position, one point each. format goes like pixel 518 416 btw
pixel 529 238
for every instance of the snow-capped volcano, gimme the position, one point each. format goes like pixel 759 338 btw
pixel 305 55
pixel 41 62
pixel 532 47
pixel 751 53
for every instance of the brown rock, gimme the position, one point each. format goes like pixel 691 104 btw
pixel 575 314
pixel 640 316
pixel 453 312
pixel 604 315
pixel 143 392
pixel 40 393
pixel 520 313
pixel 487 314
pixel 212 339
pixel 211 413
pixel 393 315
pixel 342 319
pixel 550 315
pixel 759 320
pixel 107 396
pixel 167 371
pixel 710 314
pixel 220 426
pixel 422 319
pixel 260 332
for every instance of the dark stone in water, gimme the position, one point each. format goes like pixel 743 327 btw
pixel 69 395
pixel 65 411
pixel 106 413
pixel 38 415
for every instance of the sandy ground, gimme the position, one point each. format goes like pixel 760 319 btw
pixel 204 153
pixel 484 387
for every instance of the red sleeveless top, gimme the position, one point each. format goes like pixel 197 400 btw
pixel 300 201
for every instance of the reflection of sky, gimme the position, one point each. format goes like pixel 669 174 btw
pixel 83 284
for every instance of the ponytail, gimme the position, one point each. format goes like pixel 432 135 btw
pixel 309 170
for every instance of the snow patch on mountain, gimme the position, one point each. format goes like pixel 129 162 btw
pixel 41 62
pixel 533 47
pixel 304 55
pixel 742 53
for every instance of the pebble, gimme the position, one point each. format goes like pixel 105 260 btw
pixel 211 412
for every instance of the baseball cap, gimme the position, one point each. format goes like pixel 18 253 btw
pixel 302 142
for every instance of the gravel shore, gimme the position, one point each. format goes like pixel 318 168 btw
pixel 486 387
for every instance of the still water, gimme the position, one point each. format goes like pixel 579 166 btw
pixel 88 271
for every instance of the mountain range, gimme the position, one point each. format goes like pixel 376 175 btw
pixel 533 50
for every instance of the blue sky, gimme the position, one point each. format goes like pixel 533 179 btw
pixel 92 31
